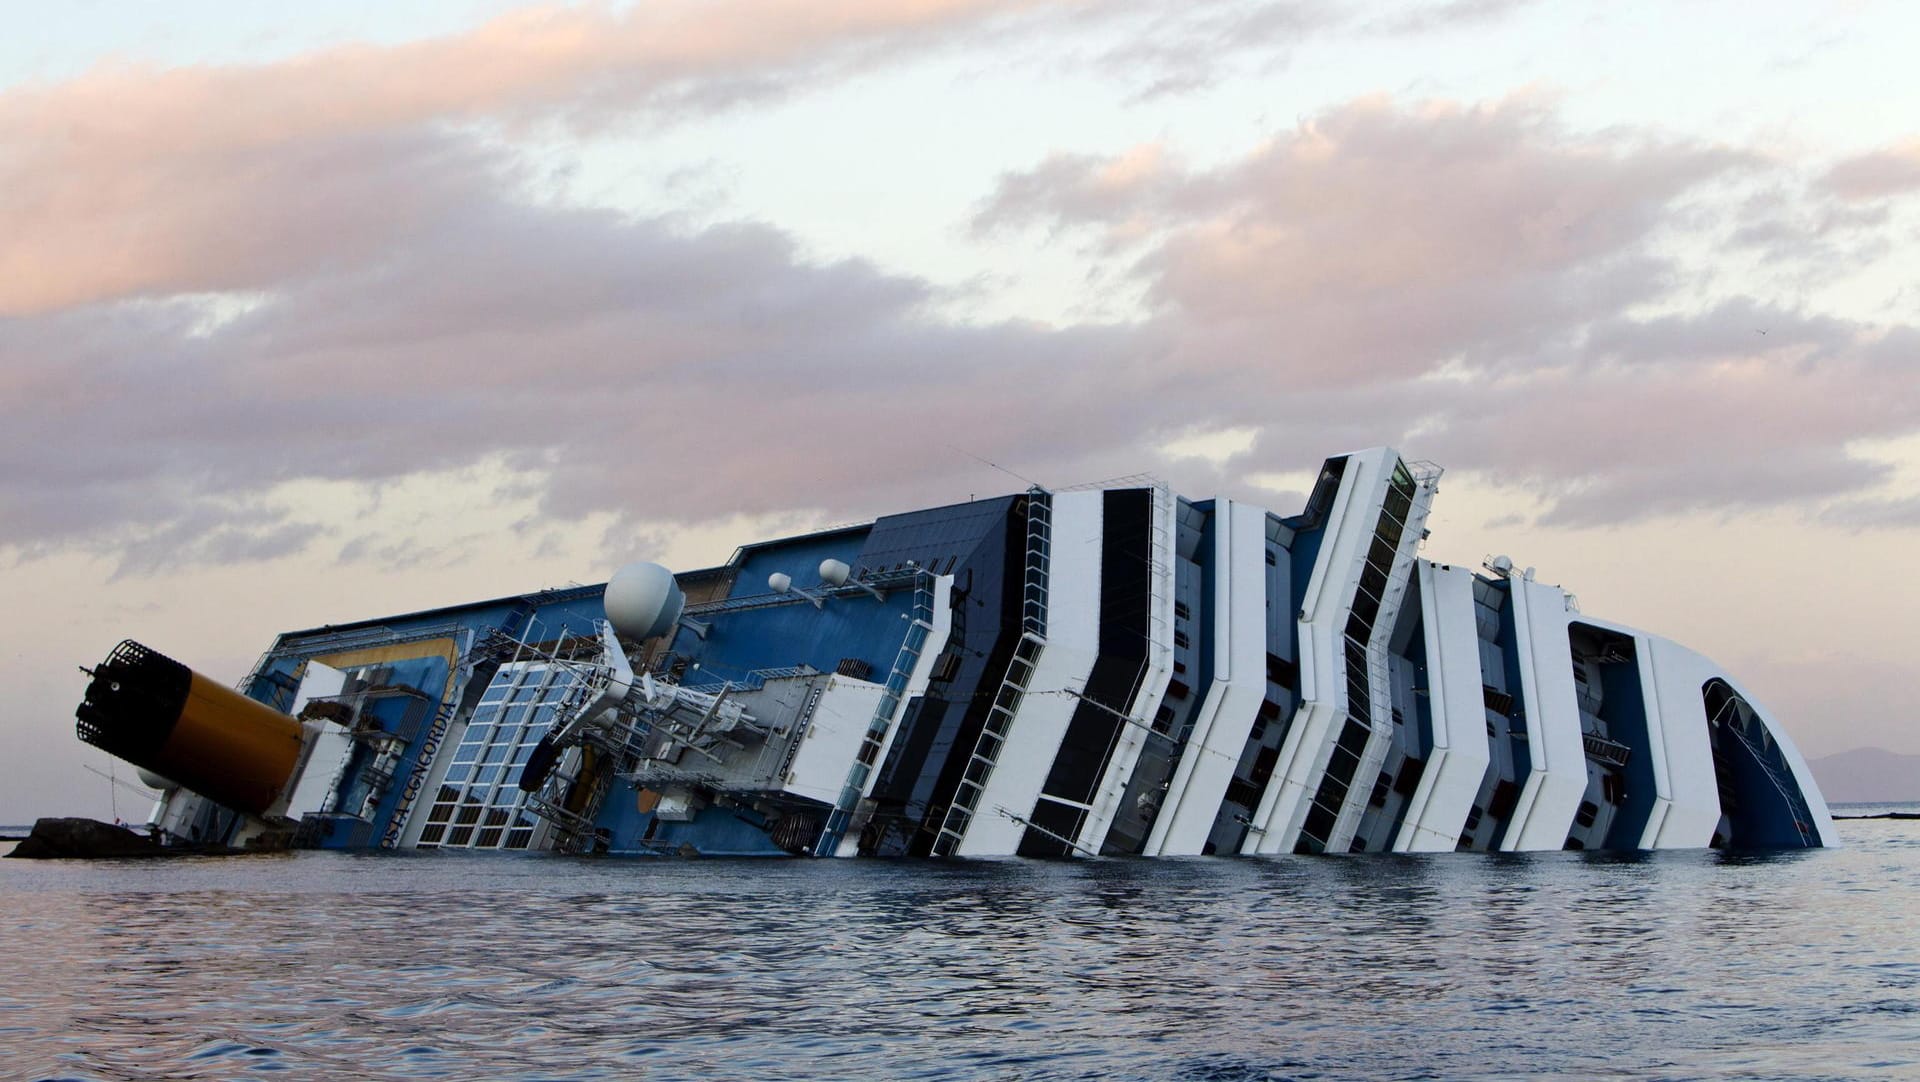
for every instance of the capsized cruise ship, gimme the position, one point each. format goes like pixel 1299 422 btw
pixel 1107 670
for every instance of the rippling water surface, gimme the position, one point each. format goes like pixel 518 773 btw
pixel 439 966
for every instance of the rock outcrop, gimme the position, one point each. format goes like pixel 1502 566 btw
pixel 53 838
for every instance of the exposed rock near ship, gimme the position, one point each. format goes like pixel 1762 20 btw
pixel 83 838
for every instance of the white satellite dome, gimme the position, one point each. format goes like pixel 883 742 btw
pixel 835 572
pixel 642 600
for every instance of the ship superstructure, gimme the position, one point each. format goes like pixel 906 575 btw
pixel 1108 670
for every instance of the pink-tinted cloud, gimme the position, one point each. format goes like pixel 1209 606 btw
pixel 1878 174
pixel 135 181
pixel 1451 15
pixel 1377 240
pixel 684 375
pixel 1463 281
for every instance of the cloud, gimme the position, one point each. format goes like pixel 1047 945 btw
pixel 132 181
pixel 1378 240
pixel 1902 513
pixel 658 372
pixel 1157 49
pixel 1476 283
pixel 321 270
pixel 1878 174
pixel 1170 49
pixel 1451 15
pixel 209 534
pixel 218 280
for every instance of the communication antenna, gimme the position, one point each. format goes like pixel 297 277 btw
pixel 836 573
pixel 1030 482
pixel 782 583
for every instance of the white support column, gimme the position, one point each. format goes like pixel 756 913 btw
pixel 1379 686
pixel 1439 807
pixel 1239 685
pixel 1324 608
pixel 1153 683
pixel 1073 642
pixel 1689 806
pixel 1557 777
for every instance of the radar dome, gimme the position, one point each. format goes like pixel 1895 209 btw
pixel 834 572
pixel 642 600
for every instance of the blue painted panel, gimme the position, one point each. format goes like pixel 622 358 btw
pixel 1625 709
pixel 985 623
pixel 714 832
pixel 1510 666
pixel 799 634
pixel 276 683
pixel 1208 612
pixel 1305 550
pixel 799 558
pixel 1417 654
pixel 576 616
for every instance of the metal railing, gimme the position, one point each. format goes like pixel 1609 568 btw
pixel 1602 750
pixel 1039 559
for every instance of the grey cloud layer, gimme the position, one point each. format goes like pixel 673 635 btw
pixel 1466 282
pixel 130 181
pixel 1471 278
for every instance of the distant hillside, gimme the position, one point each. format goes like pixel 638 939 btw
pixel 1868 775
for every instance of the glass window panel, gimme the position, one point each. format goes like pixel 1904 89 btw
pixel 520 705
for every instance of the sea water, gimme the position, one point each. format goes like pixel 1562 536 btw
pixel 433 965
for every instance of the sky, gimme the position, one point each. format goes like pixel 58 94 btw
pixel 318 314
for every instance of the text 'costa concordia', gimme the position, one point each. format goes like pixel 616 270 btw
pixel 1108 670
